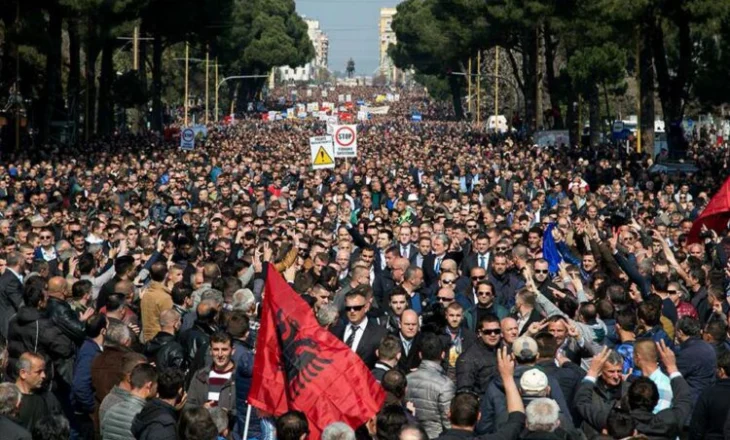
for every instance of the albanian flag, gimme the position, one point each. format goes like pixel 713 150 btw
pixel 301 366
pixel 715 216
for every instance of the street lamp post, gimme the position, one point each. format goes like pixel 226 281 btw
pixel 228 78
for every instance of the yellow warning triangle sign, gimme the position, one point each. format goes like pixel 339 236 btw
pixel 323 158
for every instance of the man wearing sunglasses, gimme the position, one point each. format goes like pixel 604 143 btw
pixel 543 282
pixel 475 366
pixel 361 334
pixel 485 305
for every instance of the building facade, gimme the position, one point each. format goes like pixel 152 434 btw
pixel 387 37
pixel 311 70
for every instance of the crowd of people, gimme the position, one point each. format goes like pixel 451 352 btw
pixel 496 290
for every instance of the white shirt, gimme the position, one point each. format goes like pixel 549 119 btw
pixel 358 335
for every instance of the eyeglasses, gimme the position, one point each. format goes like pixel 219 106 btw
pixel 45 237
pixel 485 293
pixel 478 278
pixel 541 271
pixel 673 292
pixel 452 281
pixel 444 299
pixel 354 308
pixel 501 249
pixel 490 331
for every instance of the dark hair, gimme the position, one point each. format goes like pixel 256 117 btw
pixel 169 382
pixel 81 288
pixel 643 394
pixel 547 345
pixel 717 329
pixel 86 263
pixel 123 264
pixel 389 348
pixel 33 293
pixel 605 309
pixel 158 271
pixel 626 319
pixel 115 301
pixel 620 424
pixel 142 374
pixel 395 382
pixel 51 428
pixel 588 312
pixel 660 281
pixel 238 324
pixel 291 426
pixel 568 305
pixel 649 313
pixel 94 325
pixel 689 326
pixel 389 422
pixel 431 347
pixel 180 292
pixel 220 337
pixel 486 319
pixel 196 423
pixel 464 409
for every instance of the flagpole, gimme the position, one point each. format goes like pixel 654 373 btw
pixel 248 419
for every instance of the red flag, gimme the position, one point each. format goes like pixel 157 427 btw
pixel 715 216
pixel 301 366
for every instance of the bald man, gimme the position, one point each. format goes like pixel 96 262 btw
pixel 163 348
pixel 61 313
pixel 646 359
pixel 409 335
pixel 510 330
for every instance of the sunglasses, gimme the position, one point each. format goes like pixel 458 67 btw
pixel 444 299
pixel 490 332
pixel 45 237
pixel 448 281
pixel 541 271
pixel 673 292
pixel 501 249
pixel 485 293
pixel 478 278
pixel 354 308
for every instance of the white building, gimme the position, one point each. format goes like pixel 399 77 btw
pixel 310 71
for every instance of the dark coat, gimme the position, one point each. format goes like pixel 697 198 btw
pixel 156 421
pixel 697 360
pixel 82 389
pixel 66 319
pixel 369 342
pixel 505 287
pixel 11 298
pixel 12 430
pixel 106 371
pixel 429 261
pixel 165 352
pixel 476 366
pixel 666 424
pixel 195 338
pixel 382 286
pixel 711 411
pixel 594 401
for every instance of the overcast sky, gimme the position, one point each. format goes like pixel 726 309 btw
pixel 352 28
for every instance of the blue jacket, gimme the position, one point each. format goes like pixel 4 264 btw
pixel 243 359
pixel 82 389
pixel 697 360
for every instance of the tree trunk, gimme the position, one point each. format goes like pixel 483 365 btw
pixel 574 132
pixel 74 78
pixel 551 47
pixel 53 72
pixel 456 97
pixel 92 52
pixel 646 82
pixel 140 113
pixel 106 79
pixel 594 114
pixel 529 78
pixel 156 119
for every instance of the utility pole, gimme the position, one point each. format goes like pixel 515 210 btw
pixel 135 47
pixel 17 78
pixel 207 82
pixel 638 93
pixel 468 87
pixel 187 56
pixel 479 87
pixel 496 84
pixel 538 81
pixel 216 89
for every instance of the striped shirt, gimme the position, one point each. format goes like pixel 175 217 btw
pixel 216 380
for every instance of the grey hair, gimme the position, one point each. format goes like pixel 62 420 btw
pixel 543 415
pixel 212 294
pixel 243 299
pixel 338 431
pixel 9 398
pixel 327 314
pixel 117 333
pixel 94 248
pixel 443 238
pixel 615 358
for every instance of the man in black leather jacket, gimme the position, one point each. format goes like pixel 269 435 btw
pixel 163 349
pixel 60 312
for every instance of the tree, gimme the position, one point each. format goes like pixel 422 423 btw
pixel 350 69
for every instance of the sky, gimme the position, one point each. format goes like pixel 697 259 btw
pixel 352 28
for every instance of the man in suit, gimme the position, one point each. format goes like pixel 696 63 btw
pixel 385 280
pixel 432 263
pixel 405 247
pixel 409 336
pixel 11 290
pixel 424 249
pixel 361 334
pixel 481 256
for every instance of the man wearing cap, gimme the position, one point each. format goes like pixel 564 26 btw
pixel 536 384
